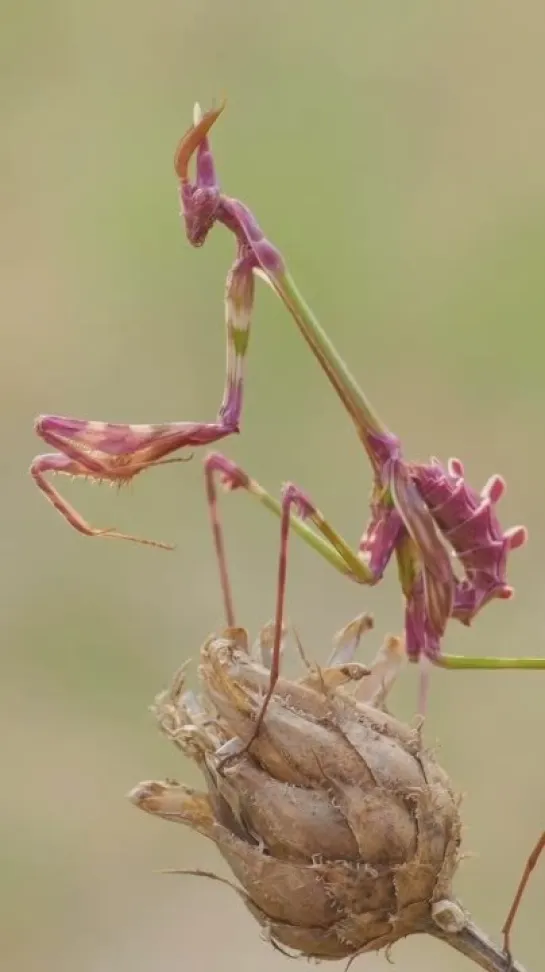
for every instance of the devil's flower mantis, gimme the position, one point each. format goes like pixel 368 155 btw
pixel 450 548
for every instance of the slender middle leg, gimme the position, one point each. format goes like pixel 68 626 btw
pixel 293 509
pixel 219 544
pixel 358 565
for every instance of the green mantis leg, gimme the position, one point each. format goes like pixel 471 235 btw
pixel 326 541
pixel 323 538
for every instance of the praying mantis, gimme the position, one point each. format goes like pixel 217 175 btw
pixel 449 546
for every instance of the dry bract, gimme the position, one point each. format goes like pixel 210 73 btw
pixel 342 832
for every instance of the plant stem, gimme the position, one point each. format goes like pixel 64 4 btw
pixel 474 944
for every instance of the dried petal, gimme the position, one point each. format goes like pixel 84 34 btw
pixel 292 821
pixel 287 891
pixel 382 823
pixel 384 670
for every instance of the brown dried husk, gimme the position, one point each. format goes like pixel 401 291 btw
pixel 342 832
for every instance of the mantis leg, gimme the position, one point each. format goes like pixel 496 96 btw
pixel 323 538
pixel 530 865
pixel 116 452
pixel 57 463
pixel 103 451
pixel 294 510
pixel 489 664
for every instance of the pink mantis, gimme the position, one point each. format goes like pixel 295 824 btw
pixel 425 515
pixel 450 548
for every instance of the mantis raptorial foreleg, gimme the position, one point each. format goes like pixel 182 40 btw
pixel 115 453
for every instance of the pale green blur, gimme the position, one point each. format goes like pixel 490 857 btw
pixel 396 153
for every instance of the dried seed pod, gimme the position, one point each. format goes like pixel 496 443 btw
pixel 342 831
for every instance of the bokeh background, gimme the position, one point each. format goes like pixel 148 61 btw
pixel 396 152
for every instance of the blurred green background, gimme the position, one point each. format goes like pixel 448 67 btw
pixel 396 152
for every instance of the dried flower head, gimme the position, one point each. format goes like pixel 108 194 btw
pixel 343 833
